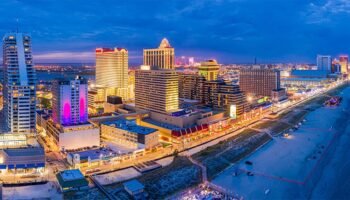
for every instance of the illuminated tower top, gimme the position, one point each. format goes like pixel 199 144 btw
pixel 164 44
pixel 209 69
pixel 162 57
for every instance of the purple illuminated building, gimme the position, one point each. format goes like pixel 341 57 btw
pixel 69 101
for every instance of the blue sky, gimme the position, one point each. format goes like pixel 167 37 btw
pixel 232 31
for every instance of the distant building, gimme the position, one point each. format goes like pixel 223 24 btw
pixel 324 63
pixel 112 71
pixel 259 82
pixel 191 61
pixel 161 58
pixel 72 179
pixel 344 61
pixel 209 69
pixel 19 83
pixel 128 133
pixel 305 79
pixel 157 90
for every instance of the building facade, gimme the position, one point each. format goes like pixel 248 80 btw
pixel 161 58
pixel 112 71
pixel 69 101
pixel 127 133
pixel 157 90
pixel 219 94
pixel 191 86
pixel 19 83
pixel 209 70
pixel 344 61
pixel 324 63
pixel 259 82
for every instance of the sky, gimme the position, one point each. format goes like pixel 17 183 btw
pixel 231 31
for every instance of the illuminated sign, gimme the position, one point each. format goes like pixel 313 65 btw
pixel 145 67
pixel 233 111
pixel 262 100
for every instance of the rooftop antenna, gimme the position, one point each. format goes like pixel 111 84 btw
pixel 17 25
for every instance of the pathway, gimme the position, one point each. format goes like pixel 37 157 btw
pixel 102 189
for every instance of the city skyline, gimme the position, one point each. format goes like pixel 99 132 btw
pixel 239 32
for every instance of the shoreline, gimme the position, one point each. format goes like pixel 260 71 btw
pixel 314 181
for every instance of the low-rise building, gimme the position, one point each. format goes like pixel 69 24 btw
pixel 127 132
pixel 135 189
pixel 72 180
pixel 22 159
pixel 73 137
pixel 20 153
pixel 279 95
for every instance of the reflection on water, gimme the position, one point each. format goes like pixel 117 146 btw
pixel 47 76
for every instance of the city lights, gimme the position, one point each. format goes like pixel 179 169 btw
pixel 126 101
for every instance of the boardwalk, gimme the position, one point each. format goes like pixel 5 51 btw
pixel 102 189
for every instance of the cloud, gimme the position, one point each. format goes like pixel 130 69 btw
pixel 324 13
pixel 88 56
pixel 231 30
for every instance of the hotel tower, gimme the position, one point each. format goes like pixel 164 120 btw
pixel 161 58
pixel 69 101
pixel 209 69
pixel 19 83
pixel 112 71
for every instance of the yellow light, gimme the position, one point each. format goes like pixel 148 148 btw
pixel 250 99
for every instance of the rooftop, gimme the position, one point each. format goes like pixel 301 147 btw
pixel 134 185
pixel 36 151
pixel 94 154
pixel 309 73
pixel 161 124
pixel 70 175
pixel 130 125
pixel 71 178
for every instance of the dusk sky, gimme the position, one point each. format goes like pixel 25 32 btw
pixel 232 31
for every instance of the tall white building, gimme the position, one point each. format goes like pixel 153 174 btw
pixel 324 63
pixel 70 101
pixel 19 83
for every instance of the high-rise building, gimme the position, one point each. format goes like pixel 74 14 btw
pixel 191 61
pixel 19 83
pixel 69 101
pixel 343 61
pixel 209 69
pixel 324 63
pixel 157 90
pixel 112 70
pixel 259 82
pixel 161 58
pixel 191 86
pixel 222 95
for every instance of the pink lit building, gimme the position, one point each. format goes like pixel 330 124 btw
pixel 69 101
